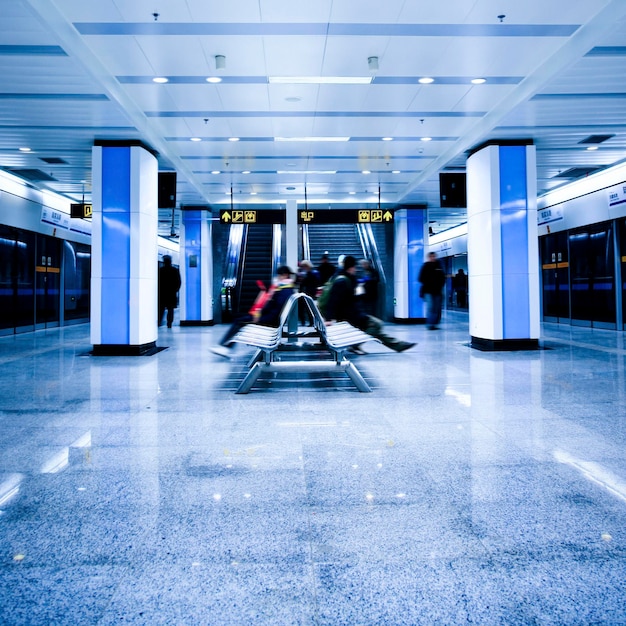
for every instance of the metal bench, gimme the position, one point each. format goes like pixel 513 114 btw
pixel 320 343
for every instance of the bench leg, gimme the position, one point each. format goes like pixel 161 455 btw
pixel 251 378
pixel 357 379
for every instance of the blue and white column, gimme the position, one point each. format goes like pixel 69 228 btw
pixel 502 247
pixel 196 267
pixel 410 237
pixel 124 268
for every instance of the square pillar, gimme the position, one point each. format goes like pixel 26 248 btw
pixel 124 274
pixel 502 247
pixel 196 294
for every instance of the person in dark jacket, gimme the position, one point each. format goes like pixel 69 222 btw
pixel 325 269
pixel 269 315
pixel 308 282
pixel 433 278
pixel 169 284
pixel 342 306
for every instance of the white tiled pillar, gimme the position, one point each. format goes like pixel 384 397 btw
pixel 124 270
pixel 502 247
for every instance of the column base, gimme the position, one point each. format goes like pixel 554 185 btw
pixel 196 322
pixel 408 320
pixel 146 349
pixel 495 345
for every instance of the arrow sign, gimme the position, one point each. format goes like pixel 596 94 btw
pixel 388 216
pixel 225 216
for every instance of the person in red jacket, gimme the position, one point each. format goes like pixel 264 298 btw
pixel 269 315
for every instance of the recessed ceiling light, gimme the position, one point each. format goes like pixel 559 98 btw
pixel 592 147
pixel 246 172
pixel 366 172
pixel 160 79
pixel 24 149
pixel 311 138
pixel 306 171
pixel 196 139
pixel 216 172
pixel 213 79
pixel 426 138
pixel 478 81
pixel 233 139
pixel 320 80
pixel 387 138
pixel 426 80
pixel 395 171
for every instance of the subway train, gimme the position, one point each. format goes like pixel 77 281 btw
pixel 45 259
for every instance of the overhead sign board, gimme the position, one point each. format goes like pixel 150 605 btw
pixel 80 210
pixel 252 216
pixel 345 216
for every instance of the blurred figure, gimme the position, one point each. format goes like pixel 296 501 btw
pixel 325 269
pixel 269 315
pixel 342 306
pixel 308 283
pixel 169 285
pixel 433 278
pixel 367 289
pixel 459 283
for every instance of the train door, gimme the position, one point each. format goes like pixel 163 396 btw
pixel 47 282
pixel 17 283
pixel 592 266
pixel 622 245
pixel 555 278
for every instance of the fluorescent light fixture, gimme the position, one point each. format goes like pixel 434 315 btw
pixel 246 172
pixel 366 172
pixel 253 193
pixel 351 193
pixel 588 148
pixel 320 80
pixel 387 138
pixel 426 80
pixel 478 81
pixel 213 79
pixel 311 138
pixel 195 139
pixel 395 171
pixel 306 172
pixel 216 172
pixel 426 138
pixel 24 149
pixel 233 139
pixel 160 79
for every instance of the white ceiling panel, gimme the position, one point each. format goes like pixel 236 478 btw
pixel 286 56
pixel 375 11
pixel 295 12
pixel 220 11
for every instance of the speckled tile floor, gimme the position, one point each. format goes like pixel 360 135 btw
pixel 468 488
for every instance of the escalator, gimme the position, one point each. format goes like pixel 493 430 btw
pixel 256 264
pixel 335 239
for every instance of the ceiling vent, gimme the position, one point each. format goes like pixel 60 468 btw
pixel 595 139
pixel 34 176
pixel 53 160
pixel 577 172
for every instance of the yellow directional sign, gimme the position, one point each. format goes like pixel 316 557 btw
pixel 306 216
pixel 388 216
pixel 252 216
pixel 225 217
pixel 81 210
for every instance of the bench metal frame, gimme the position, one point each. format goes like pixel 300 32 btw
pixel 334 339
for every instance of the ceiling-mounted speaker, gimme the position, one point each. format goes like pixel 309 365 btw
pixel 167 190
pixel 452 190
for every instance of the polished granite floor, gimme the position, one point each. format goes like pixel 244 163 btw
pixel 468 488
